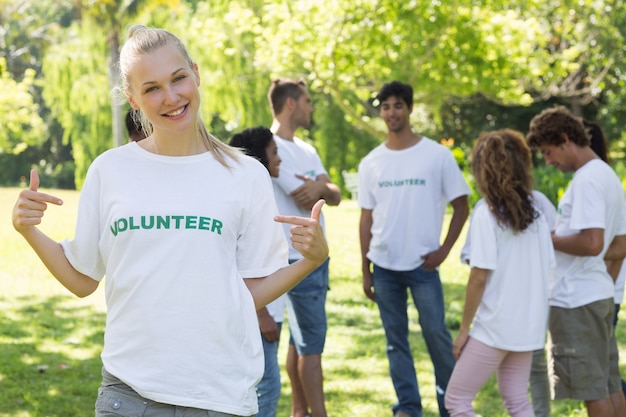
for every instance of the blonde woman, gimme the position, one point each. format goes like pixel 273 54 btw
pixel 183 227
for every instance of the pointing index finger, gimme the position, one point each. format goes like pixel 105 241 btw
pixel 317 209
pixel 36 195
pixel 303 221
pixel 34 180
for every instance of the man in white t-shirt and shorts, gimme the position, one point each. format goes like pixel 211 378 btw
pixel 591 213
pixel 302 182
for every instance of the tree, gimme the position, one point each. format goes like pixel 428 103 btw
pixel 76 91
pixel 27 29
pixel 21 124
pixel 224 43
pixel 511 54
pixel 110 17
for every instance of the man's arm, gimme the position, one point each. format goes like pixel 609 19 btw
pixel 589 242
pixel 313 190
pixel 331 192
pixel 268 326
pixel 617 249
pixel 614 256
pixel 365 237
pixel 460 211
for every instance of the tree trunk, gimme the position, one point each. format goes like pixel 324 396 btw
pixel 117 114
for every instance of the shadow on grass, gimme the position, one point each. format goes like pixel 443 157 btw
pixel 357 353
pixel 355 319
pixel 50 363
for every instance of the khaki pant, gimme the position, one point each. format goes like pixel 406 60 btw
pixel 116 399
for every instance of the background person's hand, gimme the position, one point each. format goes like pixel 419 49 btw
pixel 269 328
pixel 368 286
pixel 433 259
pixel 459 343
pixel 308 193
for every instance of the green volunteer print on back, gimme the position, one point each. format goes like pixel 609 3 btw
pixel 125 224
pixel 401 183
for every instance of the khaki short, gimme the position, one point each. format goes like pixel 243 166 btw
pixel 580 351
pixel 117 399
pixel 615 378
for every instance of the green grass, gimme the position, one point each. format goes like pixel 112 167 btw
pixel 43 324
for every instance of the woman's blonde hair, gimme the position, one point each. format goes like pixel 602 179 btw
pixel 501 164
pixel 143 40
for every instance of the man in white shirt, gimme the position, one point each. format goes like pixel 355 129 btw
pixel 405 186
pixel 302 182
pixel 591 214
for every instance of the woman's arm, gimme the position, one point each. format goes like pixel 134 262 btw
pixel 473 295
pixel 27 214
pixel 307 237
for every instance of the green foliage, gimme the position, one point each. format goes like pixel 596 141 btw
pixel 27 29
pixel 551 182
pixel 340 143
pixel 21 124
pixel 475 65
pixel 233 84
pixel 78 96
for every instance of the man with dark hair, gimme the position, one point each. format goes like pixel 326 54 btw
pixel 591 214
pixel 302 181
pixel 405 185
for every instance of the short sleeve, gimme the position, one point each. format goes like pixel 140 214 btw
pixel 454 184
pixel 261 246
pixel 484 248
pixel 365 196
pixel 83 251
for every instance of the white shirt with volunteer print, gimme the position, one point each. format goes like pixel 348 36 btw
pixel 408 191
pixel 175 237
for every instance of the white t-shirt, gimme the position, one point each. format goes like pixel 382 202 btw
pixel 541 202
pixel 619 285
pixel 175 236
pixel 513 312
pixel 408 191
pixel 593 199
pixel 276 309
pixel 297 157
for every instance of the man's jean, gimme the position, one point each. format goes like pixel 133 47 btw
pixel 268 389
pixel 390 290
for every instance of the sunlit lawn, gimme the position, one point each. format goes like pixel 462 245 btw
pixel 50 340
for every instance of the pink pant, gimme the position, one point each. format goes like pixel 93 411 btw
pixel 474 368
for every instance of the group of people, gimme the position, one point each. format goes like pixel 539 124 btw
pixel 533 269
pixel 200 271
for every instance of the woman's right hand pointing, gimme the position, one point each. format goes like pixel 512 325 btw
pixel 31 204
